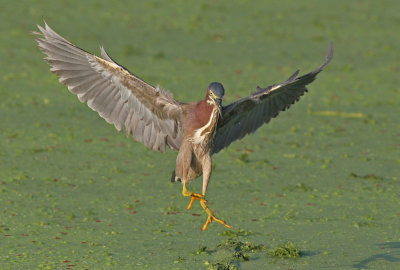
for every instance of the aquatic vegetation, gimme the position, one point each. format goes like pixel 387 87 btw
pixel 288 250
pixel 239 245
pixel 229 253
pixel 236 233
pixel 221 266
pixel 367 176
pixel 203 250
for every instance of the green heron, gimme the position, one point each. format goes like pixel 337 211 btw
pixel 152 116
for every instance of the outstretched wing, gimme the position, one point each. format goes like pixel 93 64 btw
pixel 248 114
pixel 150 115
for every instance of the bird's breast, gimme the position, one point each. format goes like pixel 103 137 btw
pixel 204 135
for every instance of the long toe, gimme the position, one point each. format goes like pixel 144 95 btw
pixel 194 196
pixel 211 216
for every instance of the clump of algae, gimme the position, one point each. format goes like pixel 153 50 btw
pixel 231 252
pixel 237 233
pixel 222 266
pixel 239 245
pixel 288 250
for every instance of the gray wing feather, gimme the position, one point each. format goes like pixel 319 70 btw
pixel 150 115
pixel 248 114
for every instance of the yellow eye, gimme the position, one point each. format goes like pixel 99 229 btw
pixel 213 95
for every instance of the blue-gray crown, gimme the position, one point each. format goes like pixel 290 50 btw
pixel 217 89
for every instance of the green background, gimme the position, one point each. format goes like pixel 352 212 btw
pixel 76 194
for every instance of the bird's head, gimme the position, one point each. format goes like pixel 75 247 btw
pixel 215 92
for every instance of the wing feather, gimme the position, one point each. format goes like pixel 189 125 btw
pixel 131 123
pixel 150 115
pixel 248 114
pixel 138 132
pixel 91 92
pixel 61 52
pixel 118 111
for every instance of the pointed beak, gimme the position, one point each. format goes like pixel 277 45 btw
pixel 218 101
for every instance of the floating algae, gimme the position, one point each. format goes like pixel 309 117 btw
pixel 239 246
pixel 222 266
pixel 287 250
pixel 236 233
pixel 229 253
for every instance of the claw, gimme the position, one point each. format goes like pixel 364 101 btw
pixel 203 201
pixel 211 217
pixel 194 196
pixel 191 202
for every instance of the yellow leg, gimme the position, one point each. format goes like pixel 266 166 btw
pixel 194 196
pixel 201 198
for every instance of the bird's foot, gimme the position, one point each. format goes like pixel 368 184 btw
pixel 211 216
pixel 203 203
pixel 195 196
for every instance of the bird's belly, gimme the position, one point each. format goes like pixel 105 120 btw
pixel 201 137
pixel 195 169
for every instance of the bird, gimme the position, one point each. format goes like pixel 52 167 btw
pixel 152 116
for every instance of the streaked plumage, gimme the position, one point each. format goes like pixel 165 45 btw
pixel 152 116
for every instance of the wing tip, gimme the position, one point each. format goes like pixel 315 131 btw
pixel 331 49
pixel 328 59
pixel 329 56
